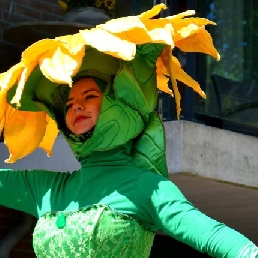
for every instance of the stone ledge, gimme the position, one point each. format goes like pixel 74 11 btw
pixel 212 152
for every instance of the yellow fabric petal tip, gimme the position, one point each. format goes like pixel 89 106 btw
pixel 152 12
pixel 19 125
pixel 49 138
pixel 23 78
pixel 203 95
pixel 191 36
pixel 9 78
pixel 179 16
pixel 10 160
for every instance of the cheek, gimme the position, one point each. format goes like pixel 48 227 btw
pixel 98 107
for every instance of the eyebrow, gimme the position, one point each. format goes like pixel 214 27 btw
pixel 83 93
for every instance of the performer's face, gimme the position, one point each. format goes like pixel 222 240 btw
pixel 83 106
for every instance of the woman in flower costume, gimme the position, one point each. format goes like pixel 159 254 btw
pixel 98 88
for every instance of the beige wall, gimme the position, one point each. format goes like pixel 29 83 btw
pixel 212 152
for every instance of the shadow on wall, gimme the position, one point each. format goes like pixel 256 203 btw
pixel 62 159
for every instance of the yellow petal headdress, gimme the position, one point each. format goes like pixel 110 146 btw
pixel 59 59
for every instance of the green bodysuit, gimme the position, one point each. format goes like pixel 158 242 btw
pixel 110 208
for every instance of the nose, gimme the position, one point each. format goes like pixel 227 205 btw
pixel 77 106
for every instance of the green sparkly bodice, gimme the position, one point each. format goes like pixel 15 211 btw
pixel 95 231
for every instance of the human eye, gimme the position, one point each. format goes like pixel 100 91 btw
pixel 91 96
pixel 68 106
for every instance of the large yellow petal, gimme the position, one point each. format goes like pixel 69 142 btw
pixel 109 44
pixel 181 75
pixel 154 11
pixel 36 50
pixel 185 32
pixel 201 41
pixel 166 57
pixel 24 76
pixel 162 77
pixel 9 111
pixel 160 66
pixel 60 65
pixel 2 123
pixel 3 109
pixel 179 24
pixel 9 78
pixel 23 132
pixel 124 24
pixel 50 136
pixel 182 28
pixel 173 20
pixel 132 29
pixel 177 73
pixel 74 43
pixel 3 103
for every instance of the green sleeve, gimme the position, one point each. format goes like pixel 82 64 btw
pixel 28 190
pixel 164 205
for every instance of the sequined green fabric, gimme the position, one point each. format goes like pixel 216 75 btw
pixel 93 232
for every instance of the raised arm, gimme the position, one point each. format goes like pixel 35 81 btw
pixel 173 214
pixel 30 191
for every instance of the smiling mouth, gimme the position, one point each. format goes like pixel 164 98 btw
pixel 79 119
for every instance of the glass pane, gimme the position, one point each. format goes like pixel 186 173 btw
pixel 231 84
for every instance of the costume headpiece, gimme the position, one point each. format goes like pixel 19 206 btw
pixel 133 54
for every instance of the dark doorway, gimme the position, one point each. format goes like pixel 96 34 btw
pixel 167 247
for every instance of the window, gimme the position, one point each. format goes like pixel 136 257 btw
pixel 231 84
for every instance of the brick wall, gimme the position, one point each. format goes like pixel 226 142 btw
pixel 15 11
pixel 11 13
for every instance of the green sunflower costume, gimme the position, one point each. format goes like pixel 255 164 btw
pixel 121 196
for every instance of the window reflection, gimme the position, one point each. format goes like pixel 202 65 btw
pixel 231 84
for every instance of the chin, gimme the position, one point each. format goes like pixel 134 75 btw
pixel 81 132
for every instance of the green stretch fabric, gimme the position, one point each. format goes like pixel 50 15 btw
pixel 109 179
